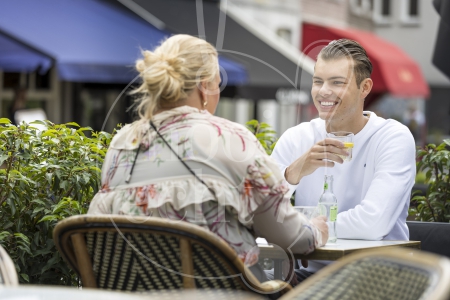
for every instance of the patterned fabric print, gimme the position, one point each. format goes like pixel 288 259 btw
pixel 372 279
pixel 248 179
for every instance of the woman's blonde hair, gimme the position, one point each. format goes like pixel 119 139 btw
pixel 172 71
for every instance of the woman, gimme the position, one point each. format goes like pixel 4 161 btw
pixel 181 162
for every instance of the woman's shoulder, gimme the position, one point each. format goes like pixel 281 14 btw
pixel 129 136
pixel 227 123
pixel 236 132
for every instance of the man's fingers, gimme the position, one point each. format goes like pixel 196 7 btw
pixel 326 156
pixel 333 142
pixel 329 149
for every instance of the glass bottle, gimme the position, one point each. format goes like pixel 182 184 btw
pixel 328 207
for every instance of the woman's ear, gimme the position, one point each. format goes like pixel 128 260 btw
pixel 366 87
pixel 203 89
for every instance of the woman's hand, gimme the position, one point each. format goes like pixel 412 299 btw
pixel 320 223
pixel 323 154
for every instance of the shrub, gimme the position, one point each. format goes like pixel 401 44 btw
pixel 434 161
pixel 264 133
pixel 46 175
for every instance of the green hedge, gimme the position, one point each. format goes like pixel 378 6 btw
pixel 46 175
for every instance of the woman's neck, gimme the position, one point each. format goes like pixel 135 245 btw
pixel 193 100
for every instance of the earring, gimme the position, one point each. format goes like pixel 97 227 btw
pixel 205 103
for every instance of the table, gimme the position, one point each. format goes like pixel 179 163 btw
pixel 47 292
pixel 341 248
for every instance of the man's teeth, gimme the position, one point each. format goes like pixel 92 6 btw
pixel 327 103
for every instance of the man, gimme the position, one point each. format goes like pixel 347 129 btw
pixel 373 189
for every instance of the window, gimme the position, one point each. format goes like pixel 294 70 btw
pixel 42 81
pixel 285 34
pixel 410 12
pixel 386 8
pixel 12 80
pixel 382 11
pixel 414 8
pixel 362 7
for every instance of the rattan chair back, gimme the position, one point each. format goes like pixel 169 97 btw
pixel 8 273
pixel 140 254
pixel 390 274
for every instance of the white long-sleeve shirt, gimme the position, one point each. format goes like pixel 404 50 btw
pixel 373 189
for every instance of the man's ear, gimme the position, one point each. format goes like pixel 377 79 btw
pixel 365 87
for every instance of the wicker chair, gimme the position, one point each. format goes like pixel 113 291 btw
pixel 8 274
pixel 141 254
pixel 379 274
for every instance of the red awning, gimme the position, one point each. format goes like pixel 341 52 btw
pixel 393 70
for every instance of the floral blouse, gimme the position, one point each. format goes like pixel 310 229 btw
pixel 248 189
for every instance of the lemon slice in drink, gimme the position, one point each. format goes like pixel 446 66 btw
pixel 348 144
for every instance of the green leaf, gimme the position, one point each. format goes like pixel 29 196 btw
pixel 38 201
pixel 38 209
pixel 4 235
pixel 3 157
pixel 49 218
pixel 84 129
pixel 98 150
pixel 72 124
pixel 440 147
pixel 22 237
pixel 12 206
pixel 64 184
pixel 49 177
pixel 8 224
pixel 5 121
pixel 50 132
pixel 25 277
pixel 39 122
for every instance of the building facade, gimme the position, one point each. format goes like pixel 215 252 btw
pixel 411 25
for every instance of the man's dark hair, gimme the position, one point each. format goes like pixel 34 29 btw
pixel 348 48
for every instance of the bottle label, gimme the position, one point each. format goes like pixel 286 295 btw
pixel 325 186
pixel 333 213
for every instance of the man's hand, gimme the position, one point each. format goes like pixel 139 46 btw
pixel 320 223
pixel 323 154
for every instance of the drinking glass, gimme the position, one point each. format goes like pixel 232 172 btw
pixel 347 139
pixel 309 211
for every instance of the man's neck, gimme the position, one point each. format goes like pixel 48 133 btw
pixel 340 125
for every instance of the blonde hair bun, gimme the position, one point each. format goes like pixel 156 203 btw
pixel 172 71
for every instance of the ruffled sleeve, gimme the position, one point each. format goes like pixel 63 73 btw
pixel 273 216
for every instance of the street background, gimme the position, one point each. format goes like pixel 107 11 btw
pixel 74 59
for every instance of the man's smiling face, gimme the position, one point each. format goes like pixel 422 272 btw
pixel 335 92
